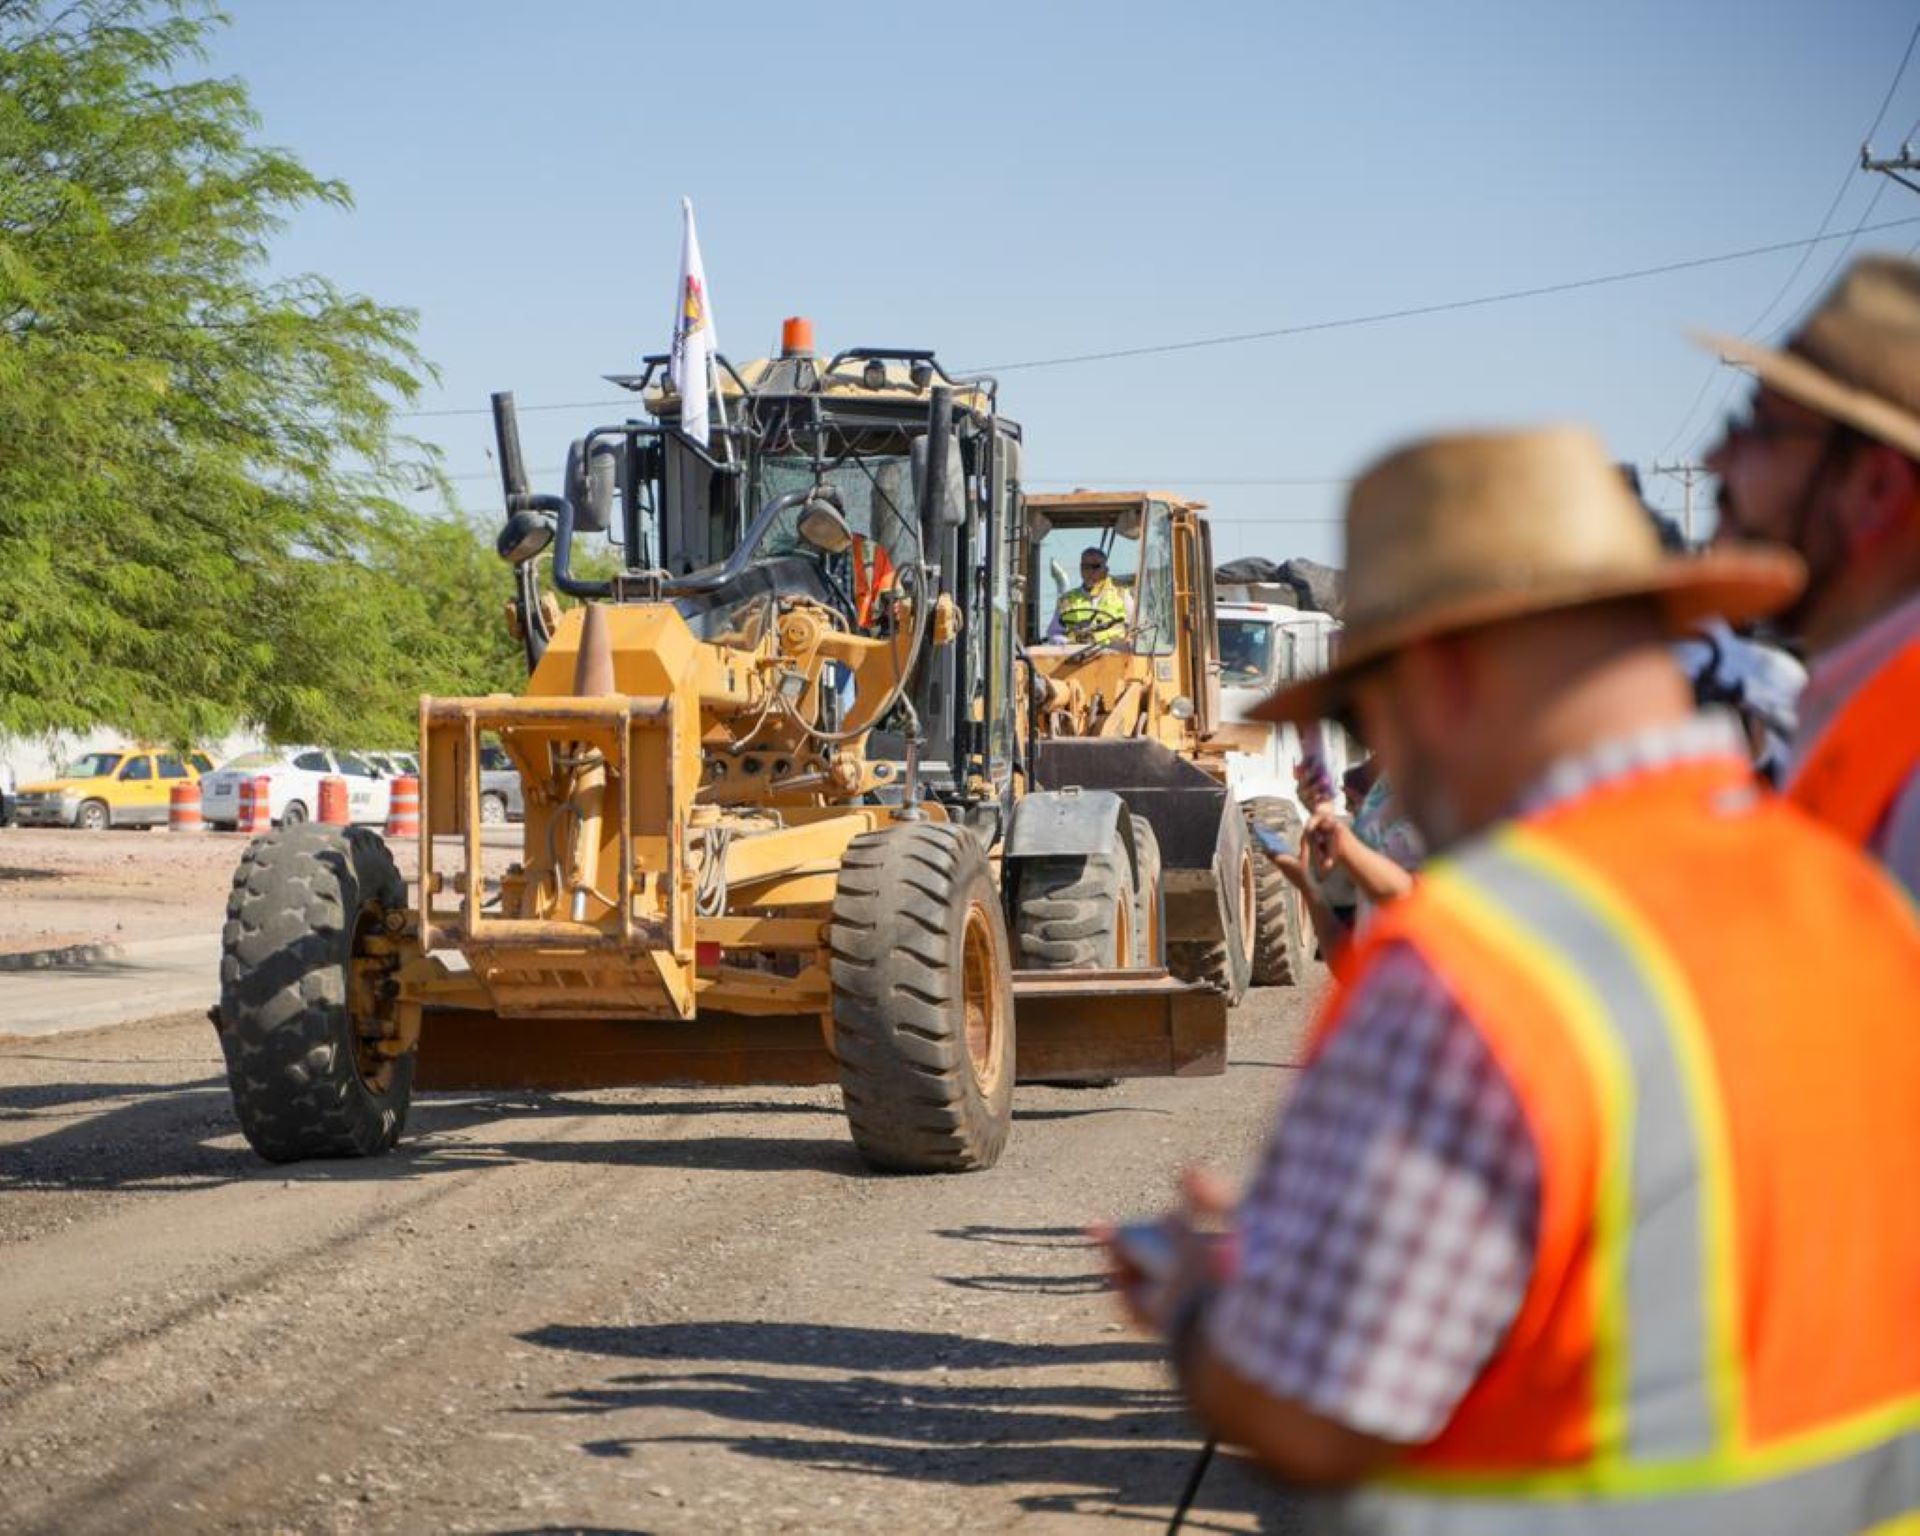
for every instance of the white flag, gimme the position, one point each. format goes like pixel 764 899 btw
pixel 691 364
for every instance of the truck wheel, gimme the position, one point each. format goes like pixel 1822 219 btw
pixel 923 1024
pixel 295 814
pixel 94 816
pixel 300 1005
pixel 1149 897
pixel 1279 946
pixel 493 810
pixel 1226 963
pixel 1075 913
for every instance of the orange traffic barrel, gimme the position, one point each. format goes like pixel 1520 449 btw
pixel 333 801
pixel 183 808
pixel 256 812
pixel 403 810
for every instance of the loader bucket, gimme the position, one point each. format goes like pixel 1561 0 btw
pixel 1201 834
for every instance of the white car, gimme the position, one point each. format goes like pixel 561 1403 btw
pixel 293 776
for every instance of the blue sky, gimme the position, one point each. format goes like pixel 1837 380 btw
pixel 1018 182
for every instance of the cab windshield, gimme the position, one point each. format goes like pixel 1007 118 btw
pixel 1246 652
pixel 95 765
pixel 876 497
pixel 1138 547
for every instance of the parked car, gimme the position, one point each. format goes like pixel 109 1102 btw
pixel 293 776
pixel 6 794
pixel 501 797
pixel 125 787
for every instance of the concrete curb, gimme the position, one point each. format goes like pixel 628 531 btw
pixel 66 957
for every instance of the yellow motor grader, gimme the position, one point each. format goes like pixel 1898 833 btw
pixel 1126 698
pixel 780 822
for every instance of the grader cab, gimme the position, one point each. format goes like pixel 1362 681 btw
pixel 1132 706
pixel 780 822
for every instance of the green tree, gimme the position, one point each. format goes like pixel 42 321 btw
pixel 200 519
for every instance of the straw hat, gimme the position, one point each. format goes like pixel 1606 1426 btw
pixel 1454 532
pixel 1857 359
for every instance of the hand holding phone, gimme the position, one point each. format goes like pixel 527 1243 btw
pixel 1149 1248
pixel 1272 841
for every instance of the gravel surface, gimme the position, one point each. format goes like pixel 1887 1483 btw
pixel 644 1310
pixel 60 887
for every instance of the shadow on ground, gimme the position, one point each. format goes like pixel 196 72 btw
pixel 94 1135
pixel 938 1408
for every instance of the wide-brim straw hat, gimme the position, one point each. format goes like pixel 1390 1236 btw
pixel 1457 532
pixel 1857 359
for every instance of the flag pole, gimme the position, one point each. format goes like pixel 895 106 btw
pixel 713 362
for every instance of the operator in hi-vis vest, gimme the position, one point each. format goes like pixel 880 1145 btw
pixel 1594 1209
pixel 1094 610
pixel 1826 460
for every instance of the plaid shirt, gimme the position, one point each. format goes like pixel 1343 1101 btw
pixel 1387 1239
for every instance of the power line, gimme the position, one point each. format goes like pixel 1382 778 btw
pixel 1415 311
pixel 1898 75
pixel 1826 277
pixel 1345 322
pixel 1833 207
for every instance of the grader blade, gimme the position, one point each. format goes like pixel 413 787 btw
pixel 466 1049
pixel 1069 1025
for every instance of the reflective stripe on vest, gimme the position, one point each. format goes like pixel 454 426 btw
pixel 1873 1492
pixel 1855 771
pixel 1670 1450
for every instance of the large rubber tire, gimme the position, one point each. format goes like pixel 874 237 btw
pixel 1226 964
pixel 1279 945
pixel 1075 913
pixel 1149 897
pixel 302 899
pixel 923 1025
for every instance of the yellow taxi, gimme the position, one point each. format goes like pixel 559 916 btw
pixel 123 787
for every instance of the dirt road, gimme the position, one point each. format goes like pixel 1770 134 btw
pixel 634 1311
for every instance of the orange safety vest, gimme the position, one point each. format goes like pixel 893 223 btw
pixel 872 575
pixel 1709 1010
pixel 1867 754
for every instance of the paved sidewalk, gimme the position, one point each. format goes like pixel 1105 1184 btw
pixel 144 980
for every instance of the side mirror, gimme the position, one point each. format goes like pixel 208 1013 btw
pixel 592 474
pixel 526 535
pixel 822 526
pixel 949 493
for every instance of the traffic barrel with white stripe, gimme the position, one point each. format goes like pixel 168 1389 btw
pixel 183 808
pixel 403 810
pixel 256 811
pixel 333 801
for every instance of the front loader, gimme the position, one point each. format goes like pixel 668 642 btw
pixel 781 823
pixel 1134 708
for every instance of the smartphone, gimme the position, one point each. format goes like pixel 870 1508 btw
pixel 1270 840
pixel 1149 1248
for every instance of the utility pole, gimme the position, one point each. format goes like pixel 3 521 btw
pixel 1893 165
pixel 1686 474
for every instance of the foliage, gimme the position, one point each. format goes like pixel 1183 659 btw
pixel 200 520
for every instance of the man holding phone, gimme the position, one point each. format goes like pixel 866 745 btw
pixel 1551 1233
